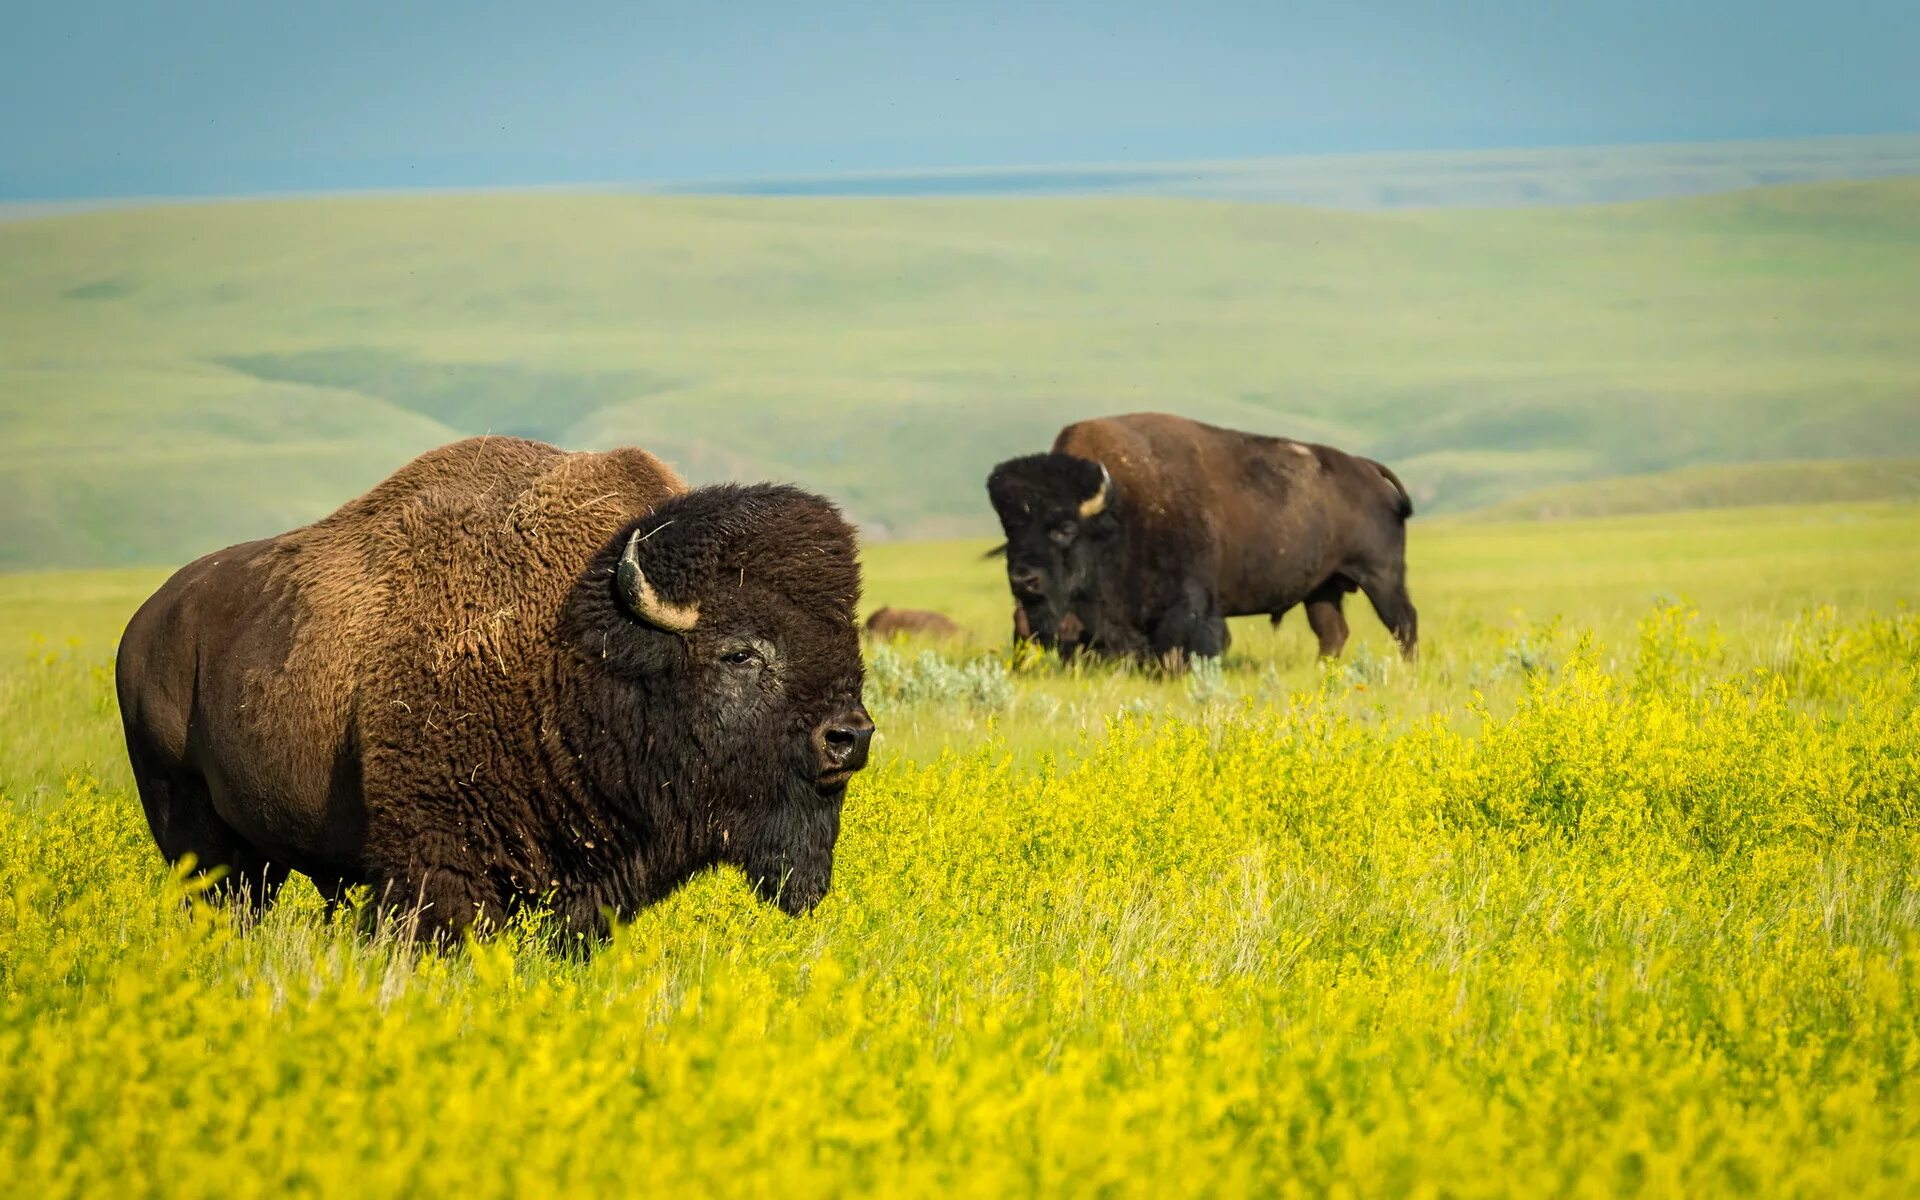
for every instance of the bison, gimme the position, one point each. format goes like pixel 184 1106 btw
pixel 912 622
pixel 1139 535
pixel 507 674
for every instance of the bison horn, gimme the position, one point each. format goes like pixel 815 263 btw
pixel 1095 504
pixel 639 595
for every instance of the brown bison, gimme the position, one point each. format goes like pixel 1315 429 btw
pixel 1139 535
pixel 912 622
pixel 509 673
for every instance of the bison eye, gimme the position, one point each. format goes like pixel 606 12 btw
pixel 741 658
pixel 1062 535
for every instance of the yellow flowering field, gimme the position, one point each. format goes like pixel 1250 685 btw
pixel 1626 902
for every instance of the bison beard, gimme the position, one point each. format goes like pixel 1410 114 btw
pixel 786 850
pixel 508 675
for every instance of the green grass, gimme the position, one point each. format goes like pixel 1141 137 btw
pixel 1486 591
pixel 176 378
pixel 1735 486
pixel 1604 895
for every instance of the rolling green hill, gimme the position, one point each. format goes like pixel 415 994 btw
pixel 175 378
pixel 1740 485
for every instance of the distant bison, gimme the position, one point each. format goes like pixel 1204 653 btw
pixel 1139 535
pixel 904 622
pixel 509 673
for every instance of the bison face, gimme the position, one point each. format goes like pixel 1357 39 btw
pixel 742 629
pixel 1058 516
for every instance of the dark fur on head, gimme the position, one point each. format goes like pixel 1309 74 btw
pixel 1061 515
pixel 772 570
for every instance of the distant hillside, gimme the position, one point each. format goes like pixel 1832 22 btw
pixel 1433 179
pixel 1735 486
pixel 176 378
pixel 1485 178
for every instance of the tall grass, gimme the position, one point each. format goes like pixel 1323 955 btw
pixel 1642 927
pixel 1608 893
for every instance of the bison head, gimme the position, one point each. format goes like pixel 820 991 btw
pixel 734 632
pixel 1058 514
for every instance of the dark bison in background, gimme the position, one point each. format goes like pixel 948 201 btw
pixel 912 622
pixel 509 673
pixel 1139 535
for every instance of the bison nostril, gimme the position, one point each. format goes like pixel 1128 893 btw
pixel 841 742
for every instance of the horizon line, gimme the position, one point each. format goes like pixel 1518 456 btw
pixel 1140 171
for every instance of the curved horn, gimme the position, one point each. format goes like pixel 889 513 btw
pixel 1093 505
pixel 639 596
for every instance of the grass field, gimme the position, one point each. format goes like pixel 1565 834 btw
pixel 1736 486
pixel 1609 893
pixel 177 378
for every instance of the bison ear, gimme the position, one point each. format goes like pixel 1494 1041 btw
pixel 640 598
pixel 1096 504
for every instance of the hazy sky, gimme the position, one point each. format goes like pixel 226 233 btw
pixel 106 98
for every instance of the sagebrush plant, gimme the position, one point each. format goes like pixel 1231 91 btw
pixel 980 682
pixel 1207 682
pixel 1642 922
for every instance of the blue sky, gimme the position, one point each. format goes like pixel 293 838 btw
pixel 117 98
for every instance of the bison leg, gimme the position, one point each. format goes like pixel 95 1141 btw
pixel 434 904
pixel 1022 628
pixel 1194 628
pixel 1388 592
pixel 1211 637
pixel 180 812
pixel 1324 617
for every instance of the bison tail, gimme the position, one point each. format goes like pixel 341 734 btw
pixel 1404 507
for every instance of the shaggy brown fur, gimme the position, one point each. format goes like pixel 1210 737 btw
pixel 438 691
pixel 912 622
pixel 1196 524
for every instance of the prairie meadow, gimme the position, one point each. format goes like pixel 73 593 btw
pixel 1616 890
